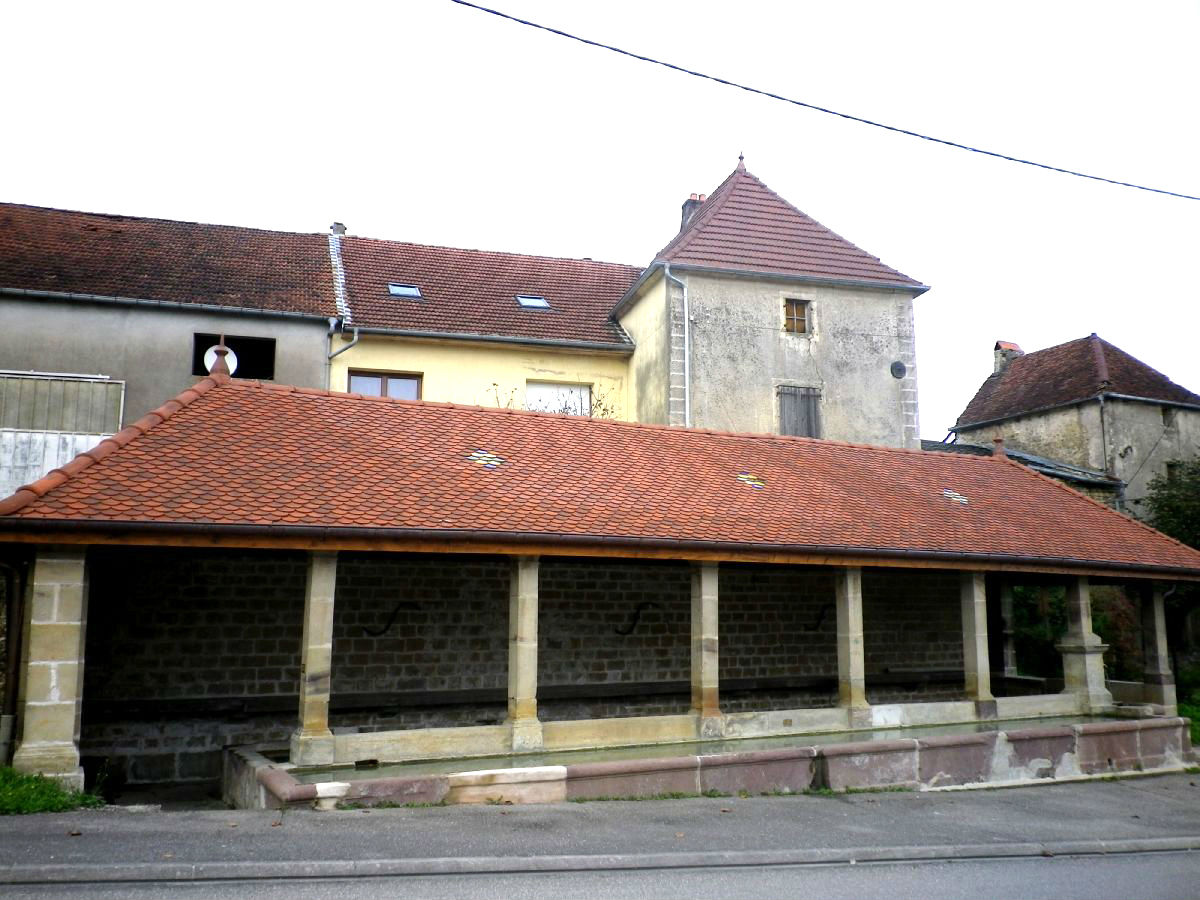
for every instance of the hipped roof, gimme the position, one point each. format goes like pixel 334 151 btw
pixel 264 461
pixel 746 226
pixel 1068 373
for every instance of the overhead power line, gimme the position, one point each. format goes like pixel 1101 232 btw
pixel 813 106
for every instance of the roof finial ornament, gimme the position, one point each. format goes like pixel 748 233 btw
pixel 741 162
pixel 219 366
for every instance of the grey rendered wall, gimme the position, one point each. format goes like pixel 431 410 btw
pixel 149 349
pixel 741 355
pixel 1143 443
pixel 1069 434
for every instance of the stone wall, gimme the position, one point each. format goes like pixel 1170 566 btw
pixel 191 650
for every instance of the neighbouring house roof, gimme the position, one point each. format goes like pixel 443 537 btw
pixel 111 256
pixel 242 458
pixel 474 292
pixel 746 226
pixel 1052 467
pixel 1071 372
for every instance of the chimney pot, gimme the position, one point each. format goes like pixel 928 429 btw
pixel 998 448
pixel 690 205
pixel 702 197
pixel 337 228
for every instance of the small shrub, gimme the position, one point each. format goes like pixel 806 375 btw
pixel 36 793
pixel 1192 711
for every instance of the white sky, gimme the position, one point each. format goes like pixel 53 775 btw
pixel 434 123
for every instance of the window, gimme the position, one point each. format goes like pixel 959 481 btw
pixel 386 384
pixel 550 396
pixel 249 357
pixel 799 411
pixel 532 301
pixel 404 290
pixel 795 316
pixel 1168 416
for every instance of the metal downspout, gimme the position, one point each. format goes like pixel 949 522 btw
pixel 687 349
pixel 333 353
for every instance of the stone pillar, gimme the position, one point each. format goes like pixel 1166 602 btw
pixel 852 679
pixel 976 665
pixel 523 654
pixel 51 692
pixel 312 742
pixel 1082 652
pixel 706 692
pixel 1009 635
pixel 1160 683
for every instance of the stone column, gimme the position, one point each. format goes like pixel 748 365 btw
pixel 523 654
pixel 852 679
pixel 976 665
pixel 1160 683
pixel 1082 651
pixel 51 692
pixel 312 742
pixel 1009 635
pixel 706 692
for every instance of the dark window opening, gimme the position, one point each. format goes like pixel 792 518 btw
pixel 799 411
pixel 254 356
pixel 1168 416
pixel 386 384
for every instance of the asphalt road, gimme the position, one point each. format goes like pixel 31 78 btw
pixel 954 843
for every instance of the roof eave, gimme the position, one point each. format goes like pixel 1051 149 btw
pixel 249 535
pixel 1044 409
pixel 475 337
pixel 913 288
pixel 76 297
pixel 629 297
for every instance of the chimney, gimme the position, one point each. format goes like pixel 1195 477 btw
pixel 337 228
pixel 1005 352
pixel 998 448
pixel 690 205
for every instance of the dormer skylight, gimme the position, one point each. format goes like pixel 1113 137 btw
pixel 533 301
pixel 404 290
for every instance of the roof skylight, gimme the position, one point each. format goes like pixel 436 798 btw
pixel 404 290
pixel 533 301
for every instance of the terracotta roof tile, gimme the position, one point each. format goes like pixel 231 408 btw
pixel 241 453
pixel 158 259
pixel 745 225
pixel 1070 372
pixel 473 292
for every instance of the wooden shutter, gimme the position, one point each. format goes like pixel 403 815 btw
pixel 799 411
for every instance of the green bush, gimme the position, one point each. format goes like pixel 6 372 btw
pixel 37 793
pixel 1192 711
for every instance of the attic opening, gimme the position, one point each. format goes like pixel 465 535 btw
pixel 249 357
pixel 533 301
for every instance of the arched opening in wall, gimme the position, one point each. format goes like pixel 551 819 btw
pixel 614 638
pixel 419 641
pixel 778 638
pixel 912 636
pixel 187 651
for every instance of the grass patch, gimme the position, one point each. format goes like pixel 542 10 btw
pixel 669 795
pixel 20 794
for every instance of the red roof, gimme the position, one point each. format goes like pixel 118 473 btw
pixel 232 453
pixel 474 292
pixel 158 259
pixel 746 226
pixel 1071 372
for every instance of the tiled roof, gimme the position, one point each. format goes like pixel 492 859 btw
pixel 158 259
pixel 1074 371
pixel 232 453
pixel 473 292
pixel 1051 467
pixel 746 226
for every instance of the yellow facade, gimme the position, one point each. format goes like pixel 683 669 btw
pixel 480 373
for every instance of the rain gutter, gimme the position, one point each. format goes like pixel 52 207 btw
pixel 161 304
pixel 329 534
pixel 500 339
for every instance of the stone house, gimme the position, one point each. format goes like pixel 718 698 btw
pixel 1087 403
pixel 416 580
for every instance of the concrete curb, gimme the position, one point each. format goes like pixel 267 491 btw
pixel 301 869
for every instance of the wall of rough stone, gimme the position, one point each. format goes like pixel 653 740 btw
pixel 191 650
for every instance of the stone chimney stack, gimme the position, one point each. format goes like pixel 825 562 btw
pixel 690 205
pixel 1006 352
